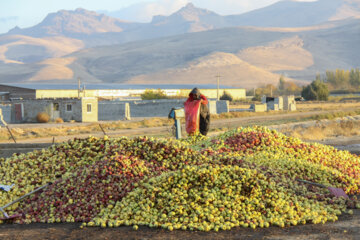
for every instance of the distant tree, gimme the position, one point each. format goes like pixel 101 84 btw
pixel 292 88
pixel 354 78
pixel 226 96
pixel 150 94
pixel 268 90
pixel 317 90
pixel 281 86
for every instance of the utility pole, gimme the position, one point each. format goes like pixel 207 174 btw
pixel 218 84
pixel 79 87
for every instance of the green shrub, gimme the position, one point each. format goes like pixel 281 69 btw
pixel 226 96
pixel 150 94
pixel 317 90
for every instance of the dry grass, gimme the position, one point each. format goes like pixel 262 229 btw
pixel 314 106
pixel 42 117
pixel 28 133
pixel 325 131
pixel 59 120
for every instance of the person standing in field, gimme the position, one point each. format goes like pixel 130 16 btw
pixel 197 115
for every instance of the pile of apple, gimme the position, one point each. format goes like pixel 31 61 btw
pixel 246 177
pixel 212 198
pixel 269 145
pixel 80 197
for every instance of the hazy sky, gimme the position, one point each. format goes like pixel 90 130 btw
pixel 26 13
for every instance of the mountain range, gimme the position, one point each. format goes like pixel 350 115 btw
pixel 192 45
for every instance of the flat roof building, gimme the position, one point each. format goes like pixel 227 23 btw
pixel 110 91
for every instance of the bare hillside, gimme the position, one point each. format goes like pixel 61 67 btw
pixel 23 49
pixel 283 55
pixel 291 13
pixel 232 70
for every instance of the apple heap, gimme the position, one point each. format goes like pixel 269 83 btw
pixel 80 197
pixel 101 181
pixel 212 198
pixel 244 142
pixel 123 165
pixel 163 153
pixel 34 169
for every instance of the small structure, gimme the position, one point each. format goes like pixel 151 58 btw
pixel 286 103
pixel 289 103
pixel 258 107
pixel 79 110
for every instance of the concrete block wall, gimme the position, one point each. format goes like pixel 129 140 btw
pixel 120 110
pixel 259 107
pixel 280 102
pixel 114 110
pixel 76 110
pixel 6 113
pixel 263 99
pixel 273 106
pixel 292 107
pixel 289 103
pixel 154 108
pixel 30 110
pixel 212 107
pixel 222 106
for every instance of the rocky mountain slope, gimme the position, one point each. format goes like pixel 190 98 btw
pixel 191 45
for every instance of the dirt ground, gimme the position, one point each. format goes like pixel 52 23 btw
pixel 348 227
pixel 215 125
